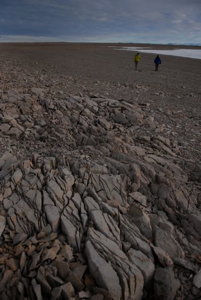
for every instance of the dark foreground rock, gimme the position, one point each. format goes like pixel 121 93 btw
pixel 96 201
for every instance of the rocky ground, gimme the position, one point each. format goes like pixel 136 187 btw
pixel 100 174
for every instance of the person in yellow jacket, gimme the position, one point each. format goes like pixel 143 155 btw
pixel 136 60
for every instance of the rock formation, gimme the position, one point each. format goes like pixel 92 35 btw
pixel 96 201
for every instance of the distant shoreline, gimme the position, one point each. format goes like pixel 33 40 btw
pixel 188 53
pixel 158 46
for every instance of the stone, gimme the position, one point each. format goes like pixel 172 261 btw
pixel 4 128
pixel 165 284
pixel 14 132
pixel 35 260
pixel 17 176
pixel 63 269
pixel 163 257
pixel 67 291
pixel 41 235
pixel 69 230
pixel 197 280
pixel 103 273
pixel 2 224
pixel 79 271
pixel 19 238
pixel 76 282
pixel 18 250
pixel 139 198
pixel 186 264
pixel 53 217
pixel 141 220
pixel 56 189
pixel 99 222
pixel 37 289
pixel 52 252
pixel 120 118
pixel 23 259
pixel 144 264
pixel 13 264
pixel 54 280
pixel 167 242
pixel 67 252
pixel 37 91
pixel 84 295
pixel 8 274
pixel 46 288
pixel 56 292
pixel 196 221
pixel 104 123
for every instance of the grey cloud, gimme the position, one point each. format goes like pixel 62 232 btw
pixel 102 20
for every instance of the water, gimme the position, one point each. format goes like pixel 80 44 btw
pixel 190 53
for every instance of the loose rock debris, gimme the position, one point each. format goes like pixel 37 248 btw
pixel 96 201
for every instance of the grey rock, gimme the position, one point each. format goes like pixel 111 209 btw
pixel 5 280
pixel 37 91
pixel 104 123
pixel 67 291
pixel 186 264
pixel 120 118
pixel 67 252
pixel 195 219
pixel 110 188
pixel 103 272
pixel 56 189
pixel 139 198
pixel 63 269
pixel 70 231
pixel 14 132
pixel 2 224
pixel 181 200
pixel 141 219
pixel 46 288
pixel 165 284
pixel 56 292
pixel 37 289
pixel 99 222
pixel 53 216
pixel 76 282
pixel 197 280
pixel 4 128
pixel 144 264
pixel 19 238
pixel 17 176
pixel 168 243
pixel 91 204
pixel 127 271
pixel 163 257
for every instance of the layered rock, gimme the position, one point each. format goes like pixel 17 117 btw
pixel 105 210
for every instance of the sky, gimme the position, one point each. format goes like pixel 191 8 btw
pixel 110 21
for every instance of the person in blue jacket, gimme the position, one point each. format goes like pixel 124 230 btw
pixel 157 62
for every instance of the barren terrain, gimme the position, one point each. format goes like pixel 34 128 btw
pixel 100 174
pixel 98 69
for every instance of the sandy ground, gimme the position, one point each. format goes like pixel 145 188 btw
pixel 102 69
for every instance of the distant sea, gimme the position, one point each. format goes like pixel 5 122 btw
pixel 190 53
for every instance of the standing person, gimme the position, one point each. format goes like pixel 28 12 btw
pixel 136 60
pixel 157 62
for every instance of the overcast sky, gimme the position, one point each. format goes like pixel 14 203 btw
pixel 137 21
